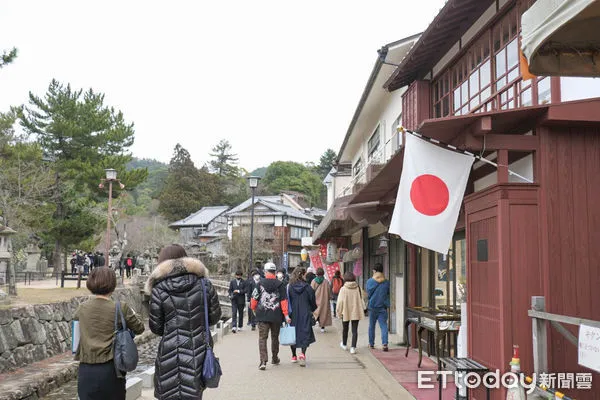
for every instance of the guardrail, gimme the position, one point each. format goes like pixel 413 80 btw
pixel 27 277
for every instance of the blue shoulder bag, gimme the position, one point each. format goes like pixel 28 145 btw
pixel 211 369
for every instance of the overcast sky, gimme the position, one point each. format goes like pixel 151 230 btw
pixel 279 79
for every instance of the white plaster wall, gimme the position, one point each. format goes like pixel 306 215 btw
pixel 522 167
pixel 341 182
pixel 572 88
pixel 330 194
pixel 393 108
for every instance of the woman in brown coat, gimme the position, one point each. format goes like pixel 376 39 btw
pixel 323 293
pixel 350 308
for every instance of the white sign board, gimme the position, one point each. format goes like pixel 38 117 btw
pixel 589 347
pixel 307 241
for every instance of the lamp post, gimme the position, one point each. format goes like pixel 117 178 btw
pixel 253 183
pixel 111 176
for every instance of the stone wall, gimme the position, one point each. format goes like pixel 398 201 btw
pixel 35 332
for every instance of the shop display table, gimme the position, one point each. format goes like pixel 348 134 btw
pixel 439 322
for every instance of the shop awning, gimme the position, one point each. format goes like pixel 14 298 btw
pixel 562 37
pixel 384 184
pixel 334 221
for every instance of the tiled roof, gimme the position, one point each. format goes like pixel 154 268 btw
pixel 202 217
pixel 274 203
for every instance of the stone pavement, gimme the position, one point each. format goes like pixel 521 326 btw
pixel 330 372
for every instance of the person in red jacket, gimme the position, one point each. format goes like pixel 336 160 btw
pixel 269 303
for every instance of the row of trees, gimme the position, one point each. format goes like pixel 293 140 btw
pixel 222 181
pixel 53 152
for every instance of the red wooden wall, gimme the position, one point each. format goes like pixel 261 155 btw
pixel 416 104
pixel 499 290
pixel 570 213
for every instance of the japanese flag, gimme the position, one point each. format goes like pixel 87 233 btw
pixel 431 190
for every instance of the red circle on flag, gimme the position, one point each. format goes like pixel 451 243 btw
pixel 429 195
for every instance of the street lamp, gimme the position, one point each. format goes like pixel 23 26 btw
pixel 111 176
pixel 253 183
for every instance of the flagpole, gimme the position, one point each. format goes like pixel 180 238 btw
pixel 457 150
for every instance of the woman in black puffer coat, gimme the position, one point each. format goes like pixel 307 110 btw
pixel 177 314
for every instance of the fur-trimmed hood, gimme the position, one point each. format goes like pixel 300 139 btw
pixel 179 266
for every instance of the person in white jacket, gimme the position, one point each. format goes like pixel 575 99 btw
pixel 350 309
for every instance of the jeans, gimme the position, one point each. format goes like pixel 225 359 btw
pixel 378 315
pixel 345 326
pixel 263 335
pixel 237 309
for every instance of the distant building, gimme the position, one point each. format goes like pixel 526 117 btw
pixel 203 225
pixel 281 220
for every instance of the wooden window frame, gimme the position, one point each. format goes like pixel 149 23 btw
pixel 505 91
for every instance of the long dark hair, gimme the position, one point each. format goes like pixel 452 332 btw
pixel 171 252
pixel 297 275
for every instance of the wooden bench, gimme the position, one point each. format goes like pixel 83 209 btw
pixel 463 365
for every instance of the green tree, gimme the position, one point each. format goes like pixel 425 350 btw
pixel 225 162
pixel 326 162
pixel 8 57
pixel 288 175
pixel 82 137
pixel 187 188
pixel 146 193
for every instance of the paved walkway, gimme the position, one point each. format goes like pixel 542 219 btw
pixel 330 372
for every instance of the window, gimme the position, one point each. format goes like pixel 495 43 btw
pixel 373 144
pixel 397 136
pixel 487 76
pixel 357 168
pixel 298 233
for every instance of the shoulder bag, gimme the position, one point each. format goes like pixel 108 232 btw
pixel 211 369
pixel 124 348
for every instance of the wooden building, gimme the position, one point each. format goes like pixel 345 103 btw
pixel 515 238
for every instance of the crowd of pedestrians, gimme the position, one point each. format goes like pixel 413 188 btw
pixel 83 263
pixel 180 292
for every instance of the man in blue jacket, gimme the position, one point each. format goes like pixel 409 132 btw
pixel 378 290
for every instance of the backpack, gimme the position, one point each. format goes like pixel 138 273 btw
pixel 129 262
pixel 337 285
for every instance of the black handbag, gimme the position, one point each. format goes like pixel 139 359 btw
pixel 211 369
pixel 124 348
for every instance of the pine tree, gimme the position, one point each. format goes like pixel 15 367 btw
pixel 225 162
pixel 82 137
pixel 326 162
pixel 8 57
pixel 187 188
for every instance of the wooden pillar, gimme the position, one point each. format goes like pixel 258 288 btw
pixel 503 166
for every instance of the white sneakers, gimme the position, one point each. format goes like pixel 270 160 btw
pixel 352 349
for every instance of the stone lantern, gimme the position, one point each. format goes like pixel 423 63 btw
pixel 34 254
pixel 5 251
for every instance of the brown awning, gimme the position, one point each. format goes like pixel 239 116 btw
pixel 515 121
pixel 334 221
pixel 384 184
